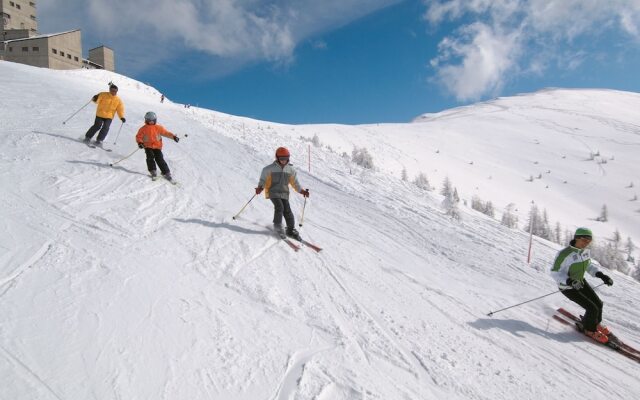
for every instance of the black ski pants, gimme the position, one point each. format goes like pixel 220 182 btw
pixel 281 207
pixel 154 156
pixel 589 300
pixel 101 124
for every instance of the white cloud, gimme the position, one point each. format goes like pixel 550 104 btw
pixel 508 37
pixel 481 59
pixel 238 31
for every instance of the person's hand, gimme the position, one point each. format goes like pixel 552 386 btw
pixel 177 139
pixel 123 119
pixel 305 192
pixel 95 98
pixel 574 283
pixel 259 190
pixel 605 278
pixel 140 145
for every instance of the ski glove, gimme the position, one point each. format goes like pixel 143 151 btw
pixel 305 192
pixel 95 98
pixel 576 284
pixel 123 120
pixel 259 190
pixel 140 145
pixel 177 139
pixel 605 278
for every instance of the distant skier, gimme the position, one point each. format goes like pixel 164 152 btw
pixel 162 98
pixel 108 104
pixel 275 180
pixel 149 138
pixel 568 270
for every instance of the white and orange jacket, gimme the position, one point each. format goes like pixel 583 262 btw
pixel 276 179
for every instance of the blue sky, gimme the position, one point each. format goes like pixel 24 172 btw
pixel 358 61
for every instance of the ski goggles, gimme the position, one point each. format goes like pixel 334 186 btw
pixel 283 158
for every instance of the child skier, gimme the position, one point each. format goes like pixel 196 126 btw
pixel 275 180
pixel 149 138
pixel 568 270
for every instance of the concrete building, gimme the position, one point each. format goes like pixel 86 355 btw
pixel 22 44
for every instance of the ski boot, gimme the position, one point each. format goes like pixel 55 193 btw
pixel 86 140
pixel 597 336
pixel 153 174
pixel 603 329
pixel 98 143
pixel 167 177
pixel 279 231
pixel 293 233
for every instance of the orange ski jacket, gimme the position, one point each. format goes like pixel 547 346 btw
pixel 151 136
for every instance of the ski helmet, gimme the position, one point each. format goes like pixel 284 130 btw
pixel 282 152
pixel 150 117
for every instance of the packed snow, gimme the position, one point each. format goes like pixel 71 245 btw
pixel 116 286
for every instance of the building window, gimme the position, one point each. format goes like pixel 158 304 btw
pixel 25 49
pixel 32 4
pixel 69 56
pixel 12 4
pixel 62 53
pixel 6 16
pixel 18 6
pixel 35 48
pixel 76 59
pixel 54 51
pixel 10 49
pixel 33 17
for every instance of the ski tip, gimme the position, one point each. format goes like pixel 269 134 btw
pixel 490 314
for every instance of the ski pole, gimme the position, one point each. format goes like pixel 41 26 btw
pixel 122 159
pixel 245 206
pixel 529 301
pixel 302 216
pixel 118 134
pixel 72 115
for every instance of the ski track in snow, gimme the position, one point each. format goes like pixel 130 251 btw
pixel 114 286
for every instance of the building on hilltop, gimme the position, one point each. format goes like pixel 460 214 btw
pixel 21 43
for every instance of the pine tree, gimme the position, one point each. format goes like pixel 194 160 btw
pixel 558 233
pixel 422 182
pixel 630 248
pixel 446 187
pixel 604 214
pixel 456 198
pixel 451 207
pixel 617 238
pixel 509 219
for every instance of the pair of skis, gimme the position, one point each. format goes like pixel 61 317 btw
pixel 614 342
pixel 93 146
pixel 297 247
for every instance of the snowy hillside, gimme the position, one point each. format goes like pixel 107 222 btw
pixel 114 286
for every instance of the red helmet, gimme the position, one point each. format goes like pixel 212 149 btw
pixel 282 152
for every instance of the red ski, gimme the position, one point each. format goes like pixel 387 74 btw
pixel 613 344
pixel 612 337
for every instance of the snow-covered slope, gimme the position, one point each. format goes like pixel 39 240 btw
pixel 113 286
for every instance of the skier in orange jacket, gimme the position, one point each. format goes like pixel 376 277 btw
pixel 149 138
